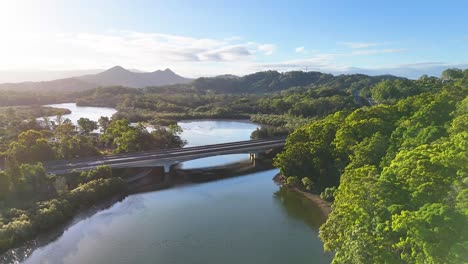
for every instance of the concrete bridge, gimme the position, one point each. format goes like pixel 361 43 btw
pixel 164 158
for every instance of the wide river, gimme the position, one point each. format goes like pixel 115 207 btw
pixel 246 219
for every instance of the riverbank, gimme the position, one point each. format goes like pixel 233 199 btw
pixel 325 207
pixel 26 112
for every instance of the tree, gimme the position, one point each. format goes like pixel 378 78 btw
pixel 65 130
pixel 103 123
pixel 4 185
pixel 451 74
pixel 293 181
pixel 124 137
pixel 428 234
pixel 402 190
pixel 384 91
pixel 31 147
pixel 308 184
pixel 86 126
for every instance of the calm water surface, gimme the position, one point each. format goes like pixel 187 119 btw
pixel 238 220
pixel 77 112
pixel 246 219
pixel 204 132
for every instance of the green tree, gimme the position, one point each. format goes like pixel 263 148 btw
pixel 86 125
pixel 293 181
pixel 307 183
pixel 103 123
pixel 452 74
pixel 5 183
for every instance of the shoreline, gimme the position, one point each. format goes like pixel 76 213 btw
pixel 325 207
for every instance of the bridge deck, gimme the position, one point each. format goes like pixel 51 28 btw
pixel 162 157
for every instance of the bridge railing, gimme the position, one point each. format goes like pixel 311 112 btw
pixel 158 151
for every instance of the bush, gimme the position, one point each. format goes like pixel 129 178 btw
pixel 328 194
pixel 307 183
pixel 293 181
pixel 17 225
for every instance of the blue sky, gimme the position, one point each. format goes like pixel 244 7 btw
pixel 204 38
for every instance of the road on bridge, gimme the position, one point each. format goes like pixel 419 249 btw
pixel 161 157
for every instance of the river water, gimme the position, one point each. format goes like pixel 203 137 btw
pixel 77 112
pixel 246 219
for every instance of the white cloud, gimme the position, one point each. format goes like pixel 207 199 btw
pixel 376 51
pixel 267 49
pixel 188 56
pixel 147 51
pixel 300 49
pixel 316 62
pixel 360 45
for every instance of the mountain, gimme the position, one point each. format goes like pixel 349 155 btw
pixel 411 71
pixel 115 76
pixel 120 76
pixel 16 76
pixel 273 81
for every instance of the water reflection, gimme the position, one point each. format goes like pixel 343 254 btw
pixel 69 242
pixel 229 221
pixel 214 161
pixel 205 132
pixel 299 207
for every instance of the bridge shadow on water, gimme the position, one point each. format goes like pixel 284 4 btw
pixel 157 179
pixel 152 179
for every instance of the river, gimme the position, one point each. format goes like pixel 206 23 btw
pixel 246 219
pixel 77 112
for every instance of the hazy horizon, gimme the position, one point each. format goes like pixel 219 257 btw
pixel 30 75
pixel 57 38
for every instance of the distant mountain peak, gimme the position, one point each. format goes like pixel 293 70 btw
pixel 117 69
pixel 118 75
pixel 227 76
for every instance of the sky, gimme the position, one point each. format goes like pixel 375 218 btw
pixel 207 38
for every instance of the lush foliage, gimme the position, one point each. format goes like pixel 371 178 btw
pixel 123 137
pixel 33 202
pixel 13 97
pixel 32 141
pixel 401 172
pixel 273 81
pixel 269 131
pixel 292 98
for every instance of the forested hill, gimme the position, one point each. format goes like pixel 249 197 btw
pixel 273 81
pixel 261 83
pixel 397 171
pixel 113 76
pixel 167 81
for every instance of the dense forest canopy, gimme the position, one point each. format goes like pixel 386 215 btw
pixel 31 201
pixel 273 81
pixel 270 98
pixel 400 169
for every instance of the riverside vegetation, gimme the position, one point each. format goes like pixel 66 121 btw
pixel 390 152
pixel 284 100
pixel 32 201
pixel 397 173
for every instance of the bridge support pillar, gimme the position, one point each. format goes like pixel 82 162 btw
pixel 253 157
pixel 167 173
pixel 167 168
